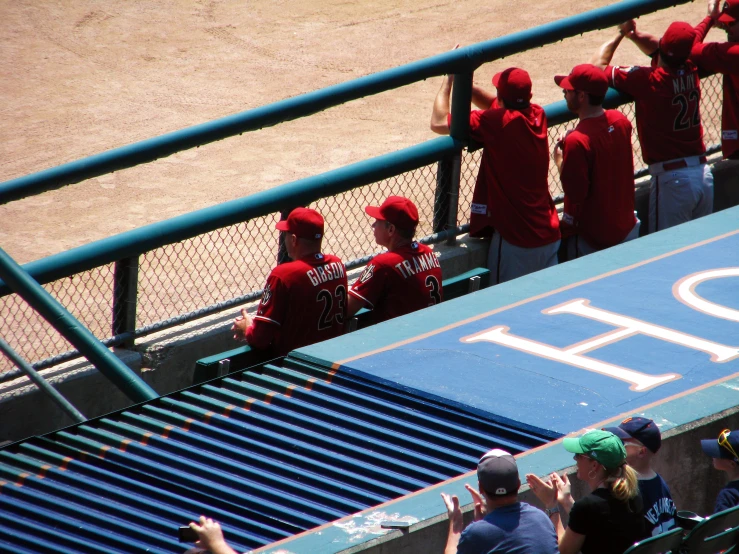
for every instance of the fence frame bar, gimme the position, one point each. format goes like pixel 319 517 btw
pixel 77 334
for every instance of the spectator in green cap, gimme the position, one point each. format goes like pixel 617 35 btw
pixel 609 519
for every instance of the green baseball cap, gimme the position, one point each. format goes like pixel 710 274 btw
pixel 602 446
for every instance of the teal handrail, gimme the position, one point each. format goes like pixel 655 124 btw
pixel 297 193
pixel 463 60
pixel 77 334
pixel 301 192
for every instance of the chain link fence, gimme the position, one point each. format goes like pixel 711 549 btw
pixel 229 266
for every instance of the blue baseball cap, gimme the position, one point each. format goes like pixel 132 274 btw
pixel 641 429
pixel 726 446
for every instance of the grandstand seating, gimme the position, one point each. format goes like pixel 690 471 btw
pixel 669 541
pixel 716 533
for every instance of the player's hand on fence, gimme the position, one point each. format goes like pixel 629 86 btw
pixel 449 78
pixel 454 512
pixel 480 507
pixel 627 28
pixel 545 491
pixel 241 324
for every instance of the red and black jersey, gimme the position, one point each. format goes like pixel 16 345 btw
pixel 304 302
pixel 399 282
pixel 512 191
pixel 598 179
pixel 721 57
pixel 667 103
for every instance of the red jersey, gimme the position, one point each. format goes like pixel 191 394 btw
pixel 303 302
pixel 667 104
pixel 400 282
pixel 598 179
pixel 721 57
pixel 512 190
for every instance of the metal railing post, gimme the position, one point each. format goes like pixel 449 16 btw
pixel 441 196
pixel 65 405
pixel 125 297
pixel 282 256
pixel 460 130
pixel 71 329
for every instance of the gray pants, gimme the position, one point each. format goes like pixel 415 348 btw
pixel 679 195
pixel 506 261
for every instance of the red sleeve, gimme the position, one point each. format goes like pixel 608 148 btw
pixel 701 30
pixel 575 176
pixel 631 80
pixel 371 284
pixel 717 57
pixel 260 334
pixel 484 124
pixel 270 314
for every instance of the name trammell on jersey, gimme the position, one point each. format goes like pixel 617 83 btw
pixel 420 263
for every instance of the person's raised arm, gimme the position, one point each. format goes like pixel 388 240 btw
pixel 456 524
pixel 440 113
pixel 645 42
pixel 482 98
pixel 546 492
pixel 701 30
pixel 604 54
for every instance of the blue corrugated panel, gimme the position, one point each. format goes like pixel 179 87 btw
pixel 268 454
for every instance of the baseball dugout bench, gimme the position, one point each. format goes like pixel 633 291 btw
pixel 226 362
pixel 243 357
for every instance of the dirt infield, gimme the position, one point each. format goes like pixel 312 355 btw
pixel 81 77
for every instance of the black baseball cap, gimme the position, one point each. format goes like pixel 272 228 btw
pixel 497 473
pixel 639 428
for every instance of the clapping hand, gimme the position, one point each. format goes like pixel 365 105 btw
pixel 545 491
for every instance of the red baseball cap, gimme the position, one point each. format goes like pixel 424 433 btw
pixel 397 210
pixel 729 12
pixel 514 86
pixel 676 43
pixel 304 223
pixel 585 77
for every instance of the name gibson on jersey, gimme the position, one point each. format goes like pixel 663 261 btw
pixel 326 272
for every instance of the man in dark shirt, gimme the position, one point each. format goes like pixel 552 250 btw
pixel 502 523
pixel 642 440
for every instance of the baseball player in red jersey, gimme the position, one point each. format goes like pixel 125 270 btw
pixel 667 99
pixel 304 301
pixel 596 166
pixel 404 279
pixel 511 201
pixel 722 57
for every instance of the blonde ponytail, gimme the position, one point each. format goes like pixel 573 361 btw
pixel 623 482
